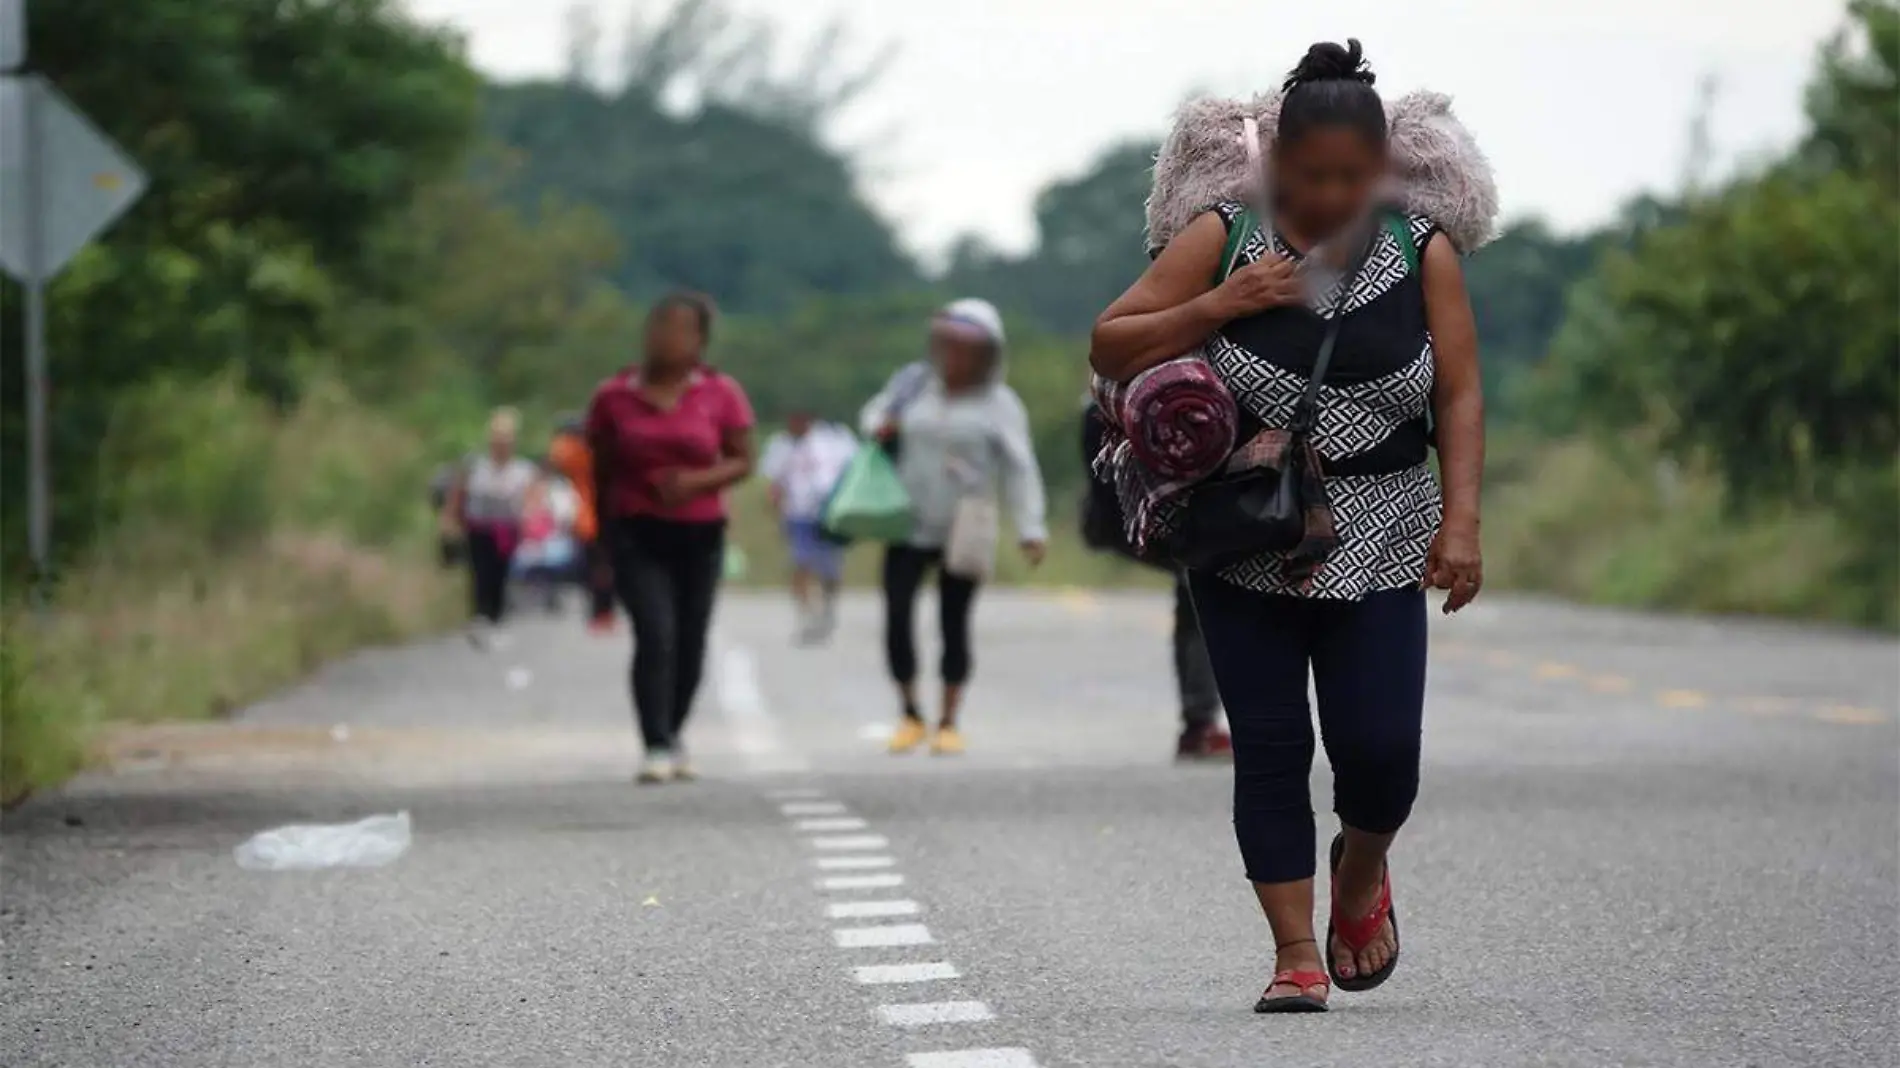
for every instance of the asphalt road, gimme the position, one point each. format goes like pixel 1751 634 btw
pixel 1641 842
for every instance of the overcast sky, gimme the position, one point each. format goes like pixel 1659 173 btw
pixel 1579 105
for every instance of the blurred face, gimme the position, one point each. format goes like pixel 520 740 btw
pixel 501 443
pixel 1328 178
pixel 963 361
pixel 674 340
pixel 799 423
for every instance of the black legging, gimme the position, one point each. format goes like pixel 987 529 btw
pixel 904 570
pixel 667 574
pixel 488 566
pixel 1368 666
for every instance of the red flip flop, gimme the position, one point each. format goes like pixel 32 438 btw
pixel 1358 933
pixel 1300 1002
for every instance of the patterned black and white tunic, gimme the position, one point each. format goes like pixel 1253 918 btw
pixel 1372 434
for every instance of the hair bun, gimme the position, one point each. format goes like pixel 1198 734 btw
pixel 1329 62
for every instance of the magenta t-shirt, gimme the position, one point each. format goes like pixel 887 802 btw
pixel 636 440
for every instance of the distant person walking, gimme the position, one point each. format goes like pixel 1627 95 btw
pixel 487 504
pixel 961 438
pixel 570 455
pixel 803 463
pixel 668 437
pixel 1202 736
pixel 1346 338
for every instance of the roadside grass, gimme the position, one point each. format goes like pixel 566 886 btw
pixel 247 548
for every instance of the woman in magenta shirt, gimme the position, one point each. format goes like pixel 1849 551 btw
pixel 668 437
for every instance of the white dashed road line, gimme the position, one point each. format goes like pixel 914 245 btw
pixel 934 1012
pixel 882 937
pixel 871 910
pixel 862 882
pixel 848 842
pixel 830 823
pixel 880 974
pixel 854 863
pixel 973 1058
pixel 812 808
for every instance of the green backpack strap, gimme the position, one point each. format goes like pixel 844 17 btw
pixel 1243 225
pixel 1401 231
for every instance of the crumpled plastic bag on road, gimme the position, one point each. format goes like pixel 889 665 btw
pixel 369 843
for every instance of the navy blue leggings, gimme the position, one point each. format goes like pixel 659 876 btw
pixel 1368 667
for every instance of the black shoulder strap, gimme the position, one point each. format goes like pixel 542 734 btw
pixel 1306 411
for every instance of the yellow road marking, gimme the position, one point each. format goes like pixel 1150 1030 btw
pixel 1552 670
pixel 1850 715
pixel 1079 601
pixel 1682 698
pixel 1609 684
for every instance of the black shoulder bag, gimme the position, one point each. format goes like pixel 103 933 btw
pixel 1231 517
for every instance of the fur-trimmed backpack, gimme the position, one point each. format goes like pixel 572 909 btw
pixel 1438 171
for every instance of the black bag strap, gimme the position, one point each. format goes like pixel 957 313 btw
pixel 1306 409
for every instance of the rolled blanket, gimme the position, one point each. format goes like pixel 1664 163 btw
pixel 1180 420
pixel 1168 428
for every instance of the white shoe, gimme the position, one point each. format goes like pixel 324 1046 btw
pixel 658 767
pixel 683 770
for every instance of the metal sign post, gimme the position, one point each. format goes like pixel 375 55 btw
pixel 61 182
pixel 38 518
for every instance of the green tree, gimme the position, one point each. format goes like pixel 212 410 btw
pixel 279 136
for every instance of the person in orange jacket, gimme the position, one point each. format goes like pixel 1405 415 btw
pixel 569 455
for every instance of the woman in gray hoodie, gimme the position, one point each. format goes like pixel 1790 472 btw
pixel 960 434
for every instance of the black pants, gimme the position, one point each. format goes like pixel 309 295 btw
pixel 904 570
pixel 667 575
pixel 488 567
pixel 1367 659
pixel 1193 674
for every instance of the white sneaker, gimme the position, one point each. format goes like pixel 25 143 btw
pixel 683 769
pixel 658 767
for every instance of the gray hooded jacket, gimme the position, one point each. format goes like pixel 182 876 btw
pixel 974 443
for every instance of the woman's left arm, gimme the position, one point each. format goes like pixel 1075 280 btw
pixel 1456 563
pixel 735 453
pixel 1022 477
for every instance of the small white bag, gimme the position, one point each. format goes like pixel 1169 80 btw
pixel 970 551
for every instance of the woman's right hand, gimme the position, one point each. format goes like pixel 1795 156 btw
pixel 1271 282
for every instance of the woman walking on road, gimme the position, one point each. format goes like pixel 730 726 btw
pixel 961 438
pixel 1349 603
pixel 486 506
pixel 668 437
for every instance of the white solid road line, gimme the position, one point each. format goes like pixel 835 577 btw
pixel 934 1012
pixel 845 842
pixel 871 910
pixel 854 863
pixel 831 823
pixel 904 973
pixel 896 934
pixel 812 808
pixel 973 1058
pixel 755 730
pixel 861 882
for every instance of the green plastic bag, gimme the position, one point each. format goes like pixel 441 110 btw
pixel 870 501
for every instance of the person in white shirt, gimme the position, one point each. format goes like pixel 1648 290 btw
pixel 801 465
pixel 486 506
